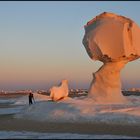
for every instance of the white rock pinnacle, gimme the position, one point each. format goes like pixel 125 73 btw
pixel 61 92
pixel 115 41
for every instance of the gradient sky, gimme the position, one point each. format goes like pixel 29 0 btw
pixel 41 43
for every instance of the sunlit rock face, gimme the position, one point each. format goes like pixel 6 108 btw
pixel 60 92
pixel 113 40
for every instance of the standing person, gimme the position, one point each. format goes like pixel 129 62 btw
pixel 31 98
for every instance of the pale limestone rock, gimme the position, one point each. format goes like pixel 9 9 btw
pixel 59 92
pixel 113 40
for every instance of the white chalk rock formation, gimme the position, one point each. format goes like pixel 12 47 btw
pixel 113 40
pixel 60 92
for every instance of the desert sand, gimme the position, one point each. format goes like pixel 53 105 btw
pixel 9 123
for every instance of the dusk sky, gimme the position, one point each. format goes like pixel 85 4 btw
pixel 41 43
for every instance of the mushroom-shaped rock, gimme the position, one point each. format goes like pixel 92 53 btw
pixel 113 40
pixel 60 92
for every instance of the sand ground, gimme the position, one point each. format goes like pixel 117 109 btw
pixel 9 123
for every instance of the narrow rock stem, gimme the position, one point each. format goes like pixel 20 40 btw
pixel 106 83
